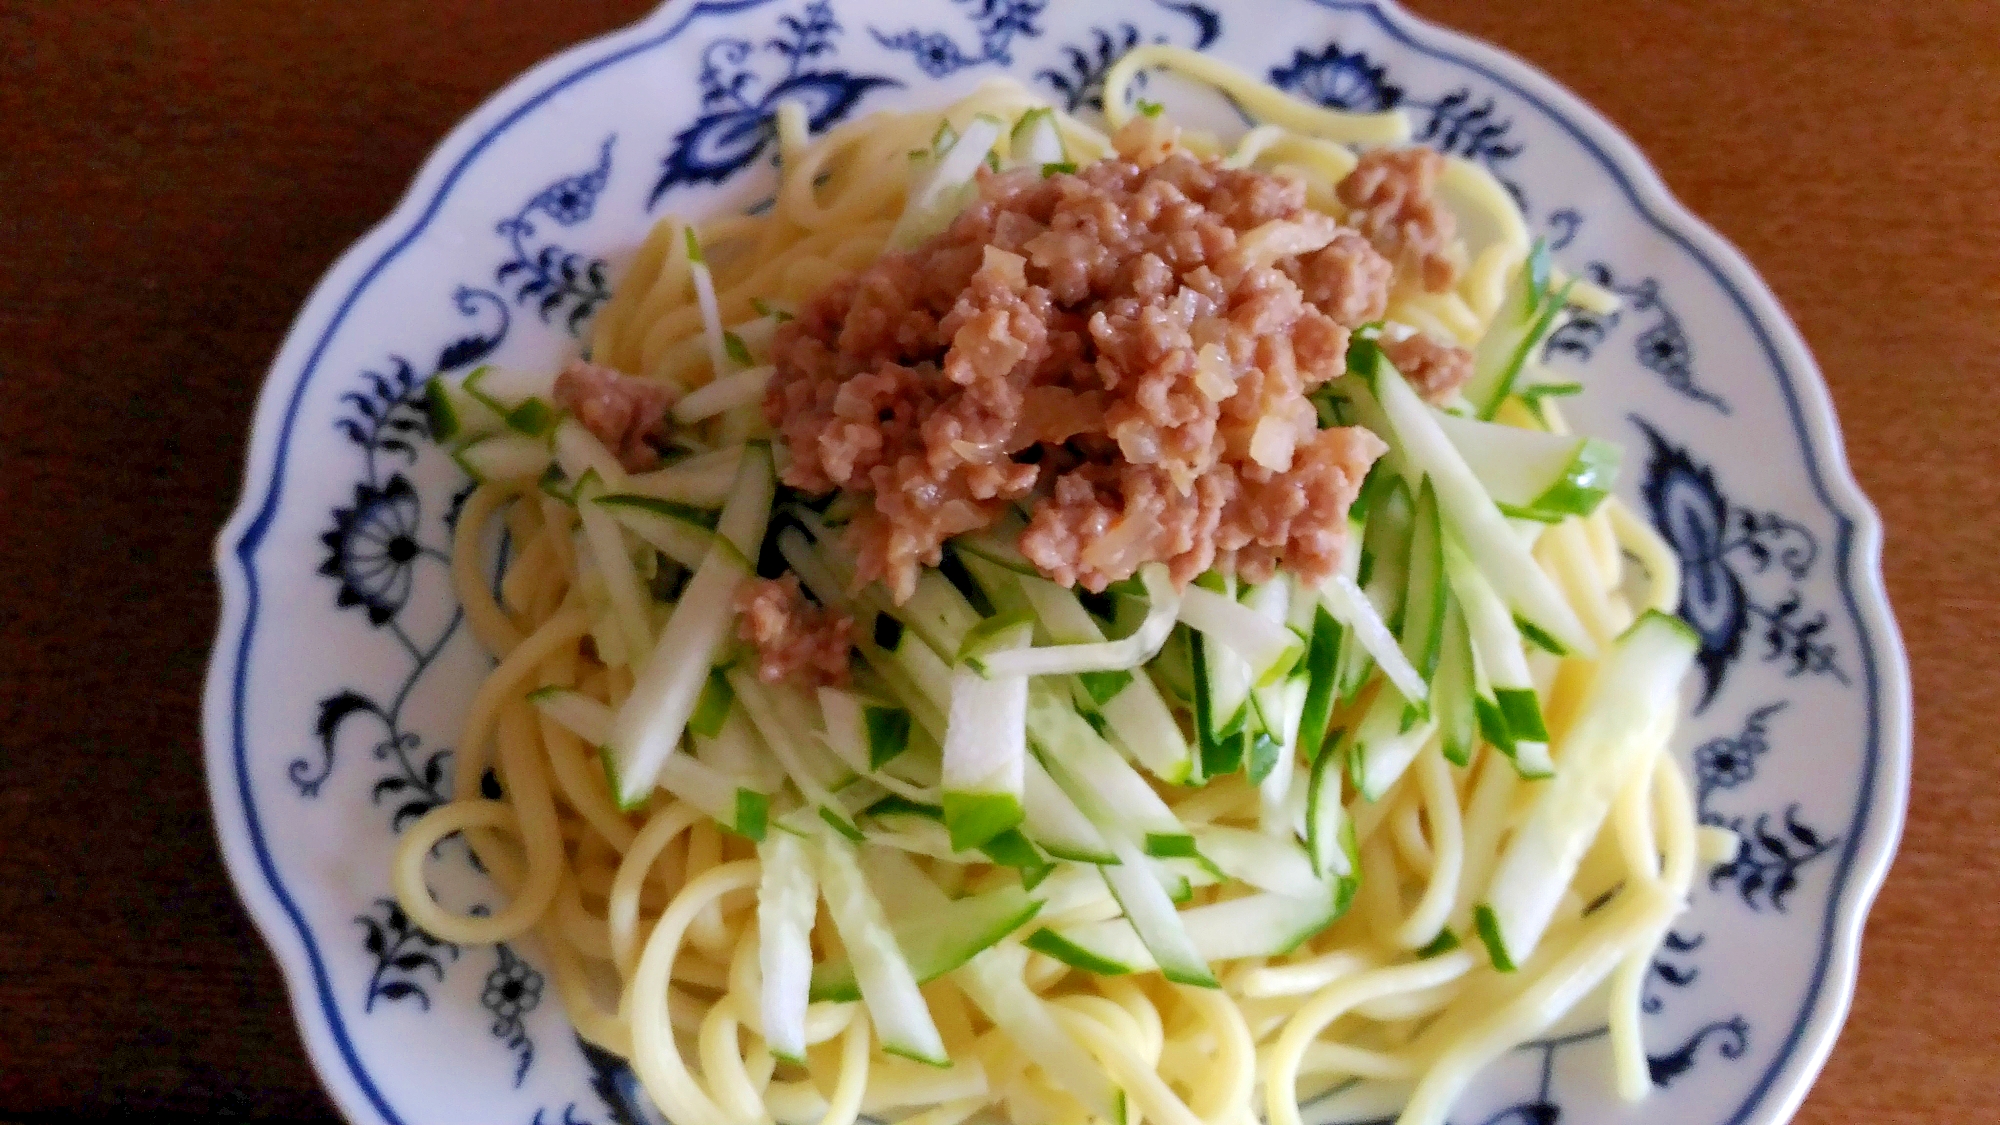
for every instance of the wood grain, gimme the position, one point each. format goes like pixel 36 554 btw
pixel 175 177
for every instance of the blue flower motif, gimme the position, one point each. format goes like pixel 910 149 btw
pixel 1693 516
pixel 936 54
pixel 997 22
pixel 1722 763
pixel 571 200
pixel 1080 78
pixel 547 273
pixel 1720 544
pixel 1664 350
pixel 736 124
pixel 372 546
pixel 1338 80
pixel 513 989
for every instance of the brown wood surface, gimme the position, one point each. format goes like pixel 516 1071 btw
pixel 175 177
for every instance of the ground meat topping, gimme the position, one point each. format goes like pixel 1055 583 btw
pixel 626 413
pixel 795 639
pixel 1128 348
pixel 1434 368
pixel 1393 196
pixel 1348 278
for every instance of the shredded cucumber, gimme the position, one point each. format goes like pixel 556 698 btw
pixel 1630 704
pixel 787 894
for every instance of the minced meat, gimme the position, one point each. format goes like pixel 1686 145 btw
pixel 1435 369
pixel 1128 347
pixel 795 639
pixel 1393 194
pixel 628 414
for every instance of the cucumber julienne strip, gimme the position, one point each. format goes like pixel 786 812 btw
pixel 711 708
pixel 701 481
pixel 1054 822
pixel 1455 696
pixel 932 205
pixel 587 718
pixel 985 747
pixel 1258 925
pixel 502 457
pixel 1351 608
pixel 1103 785
pixel 669 683
pixel 1125 653
pixel 1620 723
pixel 1467 508
pixel 630 604
pixel 936 938
pixel 1128 701
pixel 711 313
pixel 725 392
pixel 1495 636
pixel 1526 315
pixel 579 454
pixel 1268 646
pixel 1424 603
pixel 994 981
pixel 883 975
pixel 787 894
pixel 1151 914
pixel 1535 474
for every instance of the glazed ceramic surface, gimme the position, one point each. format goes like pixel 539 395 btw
pixel 342 666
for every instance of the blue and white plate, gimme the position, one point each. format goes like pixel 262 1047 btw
pixel 341 666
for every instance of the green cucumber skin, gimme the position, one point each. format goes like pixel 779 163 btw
pixel 1422 631
pixel 973 819
pixel 1443 943
pixel 1323 663
pixel 1522 713
pixel 443 419
pixel 836 980
pixel 1319 849
pixel 753 815
pixel 1052 944
pixel 914 1056
pixel 888 734
pixel 711 710
pixel 1535 635
pixel 841 825
pixel 1489 935
pixel 1456 687
pixel 1591 476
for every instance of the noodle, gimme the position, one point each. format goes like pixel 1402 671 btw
pixel 643 909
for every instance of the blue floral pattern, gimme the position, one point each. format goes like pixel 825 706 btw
pixel 375 551
pixel 1458 122
pixel 1723 547
pixel 1746 570
pixel 512 990
pixel 552 277
pixel 737 101
pixel 1662 347
pixel 404 956
pixel 996 23
pixel 1080 80
pixel 1338 79
pixel 1771 848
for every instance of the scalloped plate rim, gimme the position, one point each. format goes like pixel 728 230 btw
pixel 1883 797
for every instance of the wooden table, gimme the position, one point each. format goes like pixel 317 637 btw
pixel 175 177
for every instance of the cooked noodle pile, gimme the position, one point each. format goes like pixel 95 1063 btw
pixel 1044 625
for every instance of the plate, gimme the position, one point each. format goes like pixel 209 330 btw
pixel 341 663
